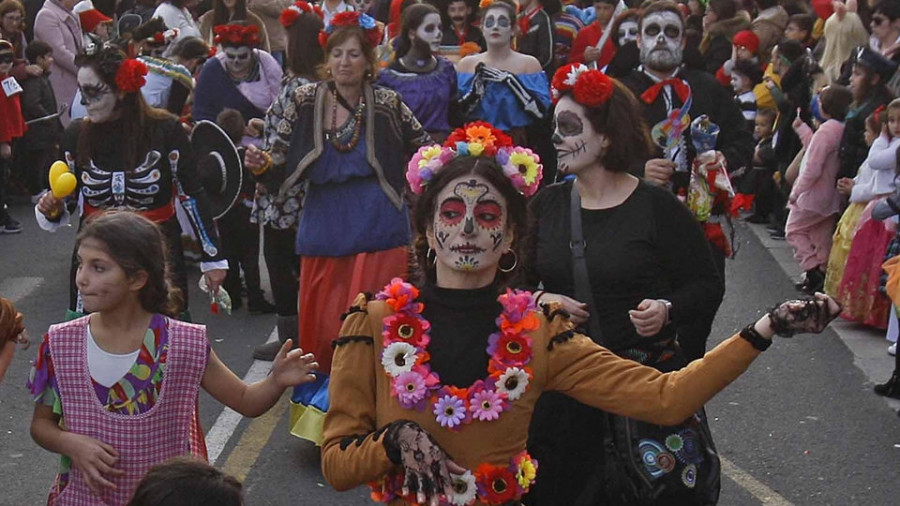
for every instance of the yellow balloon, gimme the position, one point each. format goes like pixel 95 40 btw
pixel 63 185
pixel 58 168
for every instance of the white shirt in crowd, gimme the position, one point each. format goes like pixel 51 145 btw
pixel 179 18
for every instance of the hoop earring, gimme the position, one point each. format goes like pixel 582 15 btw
pixel 428 256
pixel 515 262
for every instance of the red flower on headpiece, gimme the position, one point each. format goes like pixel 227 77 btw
pixel 130 76
pixel 237 35
pixel 346 18
pixel 290 15
pixel 589 87
pixel 159 38
pixel 323 38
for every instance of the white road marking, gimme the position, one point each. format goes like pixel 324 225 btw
pixel 221 431
pixel 16 289
pixel 759 490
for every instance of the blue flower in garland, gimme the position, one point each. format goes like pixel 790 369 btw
pixel 366 22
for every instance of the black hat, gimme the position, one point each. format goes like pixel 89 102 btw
pixel 873 60
pixel 128 23
pixel 749 68
pixel 218 165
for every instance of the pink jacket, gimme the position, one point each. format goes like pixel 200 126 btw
pixel 60 28
pixel 814 190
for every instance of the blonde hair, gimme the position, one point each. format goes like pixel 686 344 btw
pixel 842 36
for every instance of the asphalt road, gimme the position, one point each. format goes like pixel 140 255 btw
pixel 800 427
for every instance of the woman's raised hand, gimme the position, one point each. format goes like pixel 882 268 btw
pixel 806 315
pixel 293 367
pixel 578 311
pixel 254 159
pixel 426 466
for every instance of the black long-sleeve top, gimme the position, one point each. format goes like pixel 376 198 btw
pixel 648 247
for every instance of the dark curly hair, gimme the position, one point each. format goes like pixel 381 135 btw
pixel 106 62
pixel 426 207
pixel 137 244
pixel 186 481
pixel 150 28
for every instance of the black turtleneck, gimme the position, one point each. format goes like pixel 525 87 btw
pixel 461 322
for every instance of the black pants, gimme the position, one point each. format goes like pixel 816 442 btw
pixel 284 268
pixel 4 183
pixel 35 166
pixel 240 246
pixel 692 336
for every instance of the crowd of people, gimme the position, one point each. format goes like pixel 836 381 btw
pixel 527 208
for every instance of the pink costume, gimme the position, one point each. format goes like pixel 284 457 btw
pixel 814 200
pixel 142 440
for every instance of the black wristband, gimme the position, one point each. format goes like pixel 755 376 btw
pixel 757 341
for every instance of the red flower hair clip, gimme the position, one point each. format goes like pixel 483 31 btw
pixel 590 88
pixel 351 18
pixel 130 76
pixel 237 35
pixel 290 15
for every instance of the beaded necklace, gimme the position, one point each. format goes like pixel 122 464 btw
pixel 335 135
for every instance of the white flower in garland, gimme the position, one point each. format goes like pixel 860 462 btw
pixel 573 74
pixel 464 489
pixel 399 358
pixel 513 382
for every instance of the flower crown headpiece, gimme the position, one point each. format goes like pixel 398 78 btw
pixel 237 35
pixel 484 4
pixel 521 165
pixel 351 18
pixel 163 38
pixel 290 15
pixel 589 87
pixel 130 76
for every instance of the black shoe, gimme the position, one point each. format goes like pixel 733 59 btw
pixel 815 280
pixel 891 388
pixel 260 307
pixel 801 284
pixel 778 235
pixel 12 227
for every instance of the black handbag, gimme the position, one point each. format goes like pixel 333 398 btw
pixel 644 463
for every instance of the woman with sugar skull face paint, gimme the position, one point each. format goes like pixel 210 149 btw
pixel 240 77
pixel 125 154
pixel 456 365
pixel 624 38
pixel 647 260
pixel 425 80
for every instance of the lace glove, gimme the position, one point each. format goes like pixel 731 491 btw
pixel 804 315
pixel 426 466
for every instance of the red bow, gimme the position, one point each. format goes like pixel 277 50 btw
pixel 525 21
pixel 681 89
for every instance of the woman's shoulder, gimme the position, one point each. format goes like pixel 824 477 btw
pixel 556 323
pixel 554 196
pixel 526 64
pixel 468 63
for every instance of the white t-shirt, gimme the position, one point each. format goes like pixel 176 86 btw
pixel 107 368
pixel 177 18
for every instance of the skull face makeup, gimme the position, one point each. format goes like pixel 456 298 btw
pixel 238 60
pixel 628 31
pixel 469 231
pixel 98 98
pixel 661 41
pixel 740 83
pixel 429 33
pixel 497 27
pixel 578 145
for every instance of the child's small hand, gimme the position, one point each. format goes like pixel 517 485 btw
pixel 93 459
pixel 844 185
pixel 797 122
pixel 5 151
pixel 293 367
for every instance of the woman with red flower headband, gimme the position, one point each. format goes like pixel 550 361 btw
pixel 224 12
pixel 124 154
pixel 649 266
pixel 348 142
pixel 456 365
pixel 240 77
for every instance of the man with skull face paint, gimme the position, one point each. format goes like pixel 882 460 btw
pixel 663 85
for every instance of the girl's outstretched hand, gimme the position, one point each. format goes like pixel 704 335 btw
pixel 293 367
pixel 94 460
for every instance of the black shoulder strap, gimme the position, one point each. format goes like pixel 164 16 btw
pixel 579 267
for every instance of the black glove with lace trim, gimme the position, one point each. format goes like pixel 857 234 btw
pixel 426 466
pixel 804 315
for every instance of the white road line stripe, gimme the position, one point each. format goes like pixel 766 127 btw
pixel 16 289
pixel 221 431
pixel 758 489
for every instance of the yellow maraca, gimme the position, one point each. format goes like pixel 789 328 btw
pixel 62 182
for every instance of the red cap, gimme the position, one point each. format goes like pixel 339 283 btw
pixel 746 39
pixel 91 18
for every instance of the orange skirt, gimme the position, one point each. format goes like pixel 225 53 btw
pixel 328 286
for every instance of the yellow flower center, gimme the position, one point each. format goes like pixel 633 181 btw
pixel 513 347
pixel 406 331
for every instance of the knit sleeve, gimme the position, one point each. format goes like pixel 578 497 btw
pixel 591 374
pixel 353 452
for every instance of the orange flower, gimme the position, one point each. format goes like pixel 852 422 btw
pixel 528 323
pixel 481 134
pixel 469 48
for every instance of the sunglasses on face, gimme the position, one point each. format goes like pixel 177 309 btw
pixel 6 58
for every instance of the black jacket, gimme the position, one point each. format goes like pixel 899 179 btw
pixel 38 101
pixel 540 41
pixel 854 149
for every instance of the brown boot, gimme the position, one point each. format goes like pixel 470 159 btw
pixel 287 329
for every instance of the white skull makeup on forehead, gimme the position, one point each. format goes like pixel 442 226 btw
pixel 497 26
pixel 429 32
pixel 628 31
pixel 661 41
pixel 238 60
pixel 577 144
pixel 469 230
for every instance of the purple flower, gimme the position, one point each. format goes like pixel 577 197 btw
pixel 486 405
pixel 516 303
pixel 450 411
pixel 492 342
pixel 409 388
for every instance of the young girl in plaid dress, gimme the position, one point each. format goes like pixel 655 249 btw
pixel 116 391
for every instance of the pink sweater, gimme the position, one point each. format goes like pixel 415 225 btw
pixel 814 190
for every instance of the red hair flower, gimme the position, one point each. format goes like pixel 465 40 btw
pixel 323 38
pixel 130 76
pixel 589 87
pixel 237 35
pixel 290 15
pixel 352 18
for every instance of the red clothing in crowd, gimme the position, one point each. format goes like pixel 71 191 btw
pixel 12 123
pixel 590 36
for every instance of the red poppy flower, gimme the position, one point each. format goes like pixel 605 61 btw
pixel 346 18
pixel 496 485
pixel 407 329
pixel 513 349
pixel 130 76
pixel 593 88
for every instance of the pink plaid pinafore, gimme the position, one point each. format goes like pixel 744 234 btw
pixel 142 440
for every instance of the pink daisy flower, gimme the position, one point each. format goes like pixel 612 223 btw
pixel 409 388
pixel 486 405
